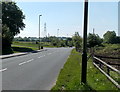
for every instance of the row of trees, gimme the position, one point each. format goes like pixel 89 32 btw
pixel 94 39
pixel 52 40
pixel 110 37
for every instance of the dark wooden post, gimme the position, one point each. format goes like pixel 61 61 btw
pixel 108 70
pixel 84 54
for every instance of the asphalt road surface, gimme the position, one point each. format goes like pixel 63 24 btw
pixel 35 71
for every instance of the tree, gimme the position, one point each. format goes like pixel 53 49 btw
pixel 77 41
pixel 110 37
pixel 117 40
pixel 26 39
pixel 93 40
pixel 12 22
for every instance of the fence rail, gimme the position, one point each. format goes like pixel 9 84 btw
pixel 98 63
pixel 107 57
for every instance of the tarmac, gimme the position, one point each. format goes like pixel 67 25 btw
pixel 19 54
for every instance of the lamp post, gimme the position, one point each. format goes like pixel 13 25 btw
pixel 39 32
pixel 84 54
pixel 57 37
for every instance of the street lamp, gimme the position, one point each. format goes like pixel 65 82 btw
pixel 39 33
pixel 57 36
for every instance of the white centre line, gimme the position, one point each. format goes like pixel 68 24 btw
pixel 49 53
pixel 26 62
pixel 2 70
pixel 41 56
pixel 29 60
pixel 22 63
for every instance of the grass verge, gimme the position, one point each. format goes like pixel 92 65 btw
pixel 17 49
pixel 32 44
pixel 70 76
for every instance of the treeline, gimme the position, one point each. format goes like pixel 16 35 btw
pixel 52 40
pixel 109 37
pixel 92 40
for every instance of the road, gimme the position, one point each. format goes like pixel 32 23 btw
pixel 35 71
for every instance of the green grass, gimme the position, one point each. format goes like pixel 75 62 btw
pixel 17 49
pixel 27 44
pixel 109 50
pixel 18 46
pixel 32 44
pixel 115 76
pixel 112 50
pixel 70 76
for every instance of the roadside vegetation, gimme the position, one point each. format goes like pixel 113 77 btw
pixel 52 42
pixel 70 76
pixel 111 50
pixel 18 49
pixel 106 53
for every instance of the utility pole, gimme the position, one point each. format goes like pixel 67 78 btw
pixel 93 31
pixel 39 32
pixel 84 54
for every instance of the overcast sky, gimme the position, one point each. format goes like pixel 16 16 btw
pixel 68 17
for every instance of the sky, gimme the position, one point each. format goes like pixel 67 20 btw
pixel 68 18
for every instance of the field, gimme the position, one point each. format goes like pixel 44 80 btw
pixel 31 44
pixel 70 76
pixel 19 46
pixel 110 54
pixel 110 51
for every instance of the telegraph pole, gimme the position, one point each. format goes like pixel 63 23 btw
pixel 93 31
pixel 84 54
pixel 39 33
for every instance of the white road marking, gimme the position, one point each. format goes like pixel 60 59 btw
pixel 29 60
pixel 35 53
pixel 22 63
pixel 2 70
pixel 49 53
pixel 41 56
pixel 26 62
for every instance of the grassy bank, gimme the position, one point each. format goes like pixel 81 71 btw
pixel 112 50
pixel 32 44
pixel 70 76
pixel 17 49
